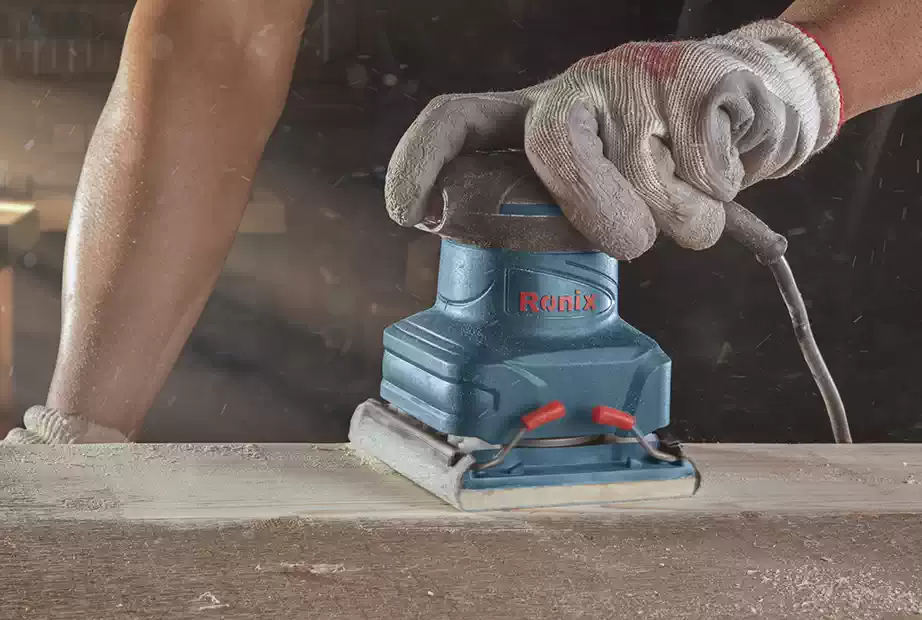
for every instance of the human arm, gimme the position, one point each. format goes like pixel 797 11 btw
pixel 164 186
pixel 875 45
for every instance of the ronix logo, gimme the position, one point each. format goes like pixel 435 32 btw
pixel 577 302
pixel 546 294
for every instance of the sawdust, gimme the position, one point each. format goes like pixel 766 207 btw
pixel 330 457
pixel 249 450
pixel 375 465
pixel 89 504
pixel 825 591
pixel 189 483
pixel 211 602
pixel 824 472
pixel 305 567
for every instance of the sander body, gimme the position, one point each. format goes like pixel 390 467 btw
pixel 522 386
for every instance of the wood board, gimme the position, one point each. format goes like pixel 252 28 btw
pixel 239 482
pixel 309 531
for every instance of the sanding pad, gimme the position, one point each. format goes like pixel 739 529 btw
pixel 415 452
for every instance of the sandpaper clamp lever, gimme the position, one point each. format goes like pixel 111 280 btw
pixel 609 416
pixel 530 421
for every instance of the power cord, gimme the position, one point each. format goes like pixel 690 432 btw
pixel 769 248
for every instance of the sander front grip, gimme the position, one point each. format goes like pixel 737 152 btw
pixel 472 191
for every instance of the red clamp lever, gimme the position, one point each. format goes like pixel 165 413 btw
pixel 530 421
pixel 543 415
pixel 609 416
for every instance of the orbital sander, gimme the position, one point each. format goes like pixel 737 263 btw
pixel 523 386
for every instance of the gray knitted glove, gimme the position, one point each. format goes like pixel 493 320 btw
pixel 647 137
pixel 44 425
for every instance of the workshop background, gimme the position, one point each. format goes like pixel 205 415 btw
pixel 291 340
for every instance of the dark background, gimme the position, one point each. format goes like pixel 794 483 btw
pixel 290 342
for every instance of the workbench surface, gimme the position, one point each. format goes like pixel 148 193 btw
pixel 273 531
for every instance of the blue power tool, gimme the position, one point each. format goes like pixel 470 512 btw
pixel 522 386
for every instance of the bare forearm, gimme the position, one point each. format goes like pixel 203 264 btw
pixel 163 190
pixel 876 46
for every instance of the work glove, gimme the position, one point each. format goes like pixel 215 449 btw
pixel 644 138
pixel 44 425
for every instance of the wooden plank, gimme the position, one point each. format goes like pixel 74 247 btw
pixel 240 482
pixel 164 531
pixel 717 567
pixel 265 213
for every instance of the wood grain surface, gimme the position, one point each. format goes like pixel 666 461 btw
pixel 181 482
pixel 309 531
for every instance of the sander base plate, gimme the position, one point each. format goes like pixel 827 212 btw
pixel 416 452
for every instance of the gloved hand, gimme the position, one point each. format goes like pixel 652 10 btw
pixel 44 425
pixel 647 137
